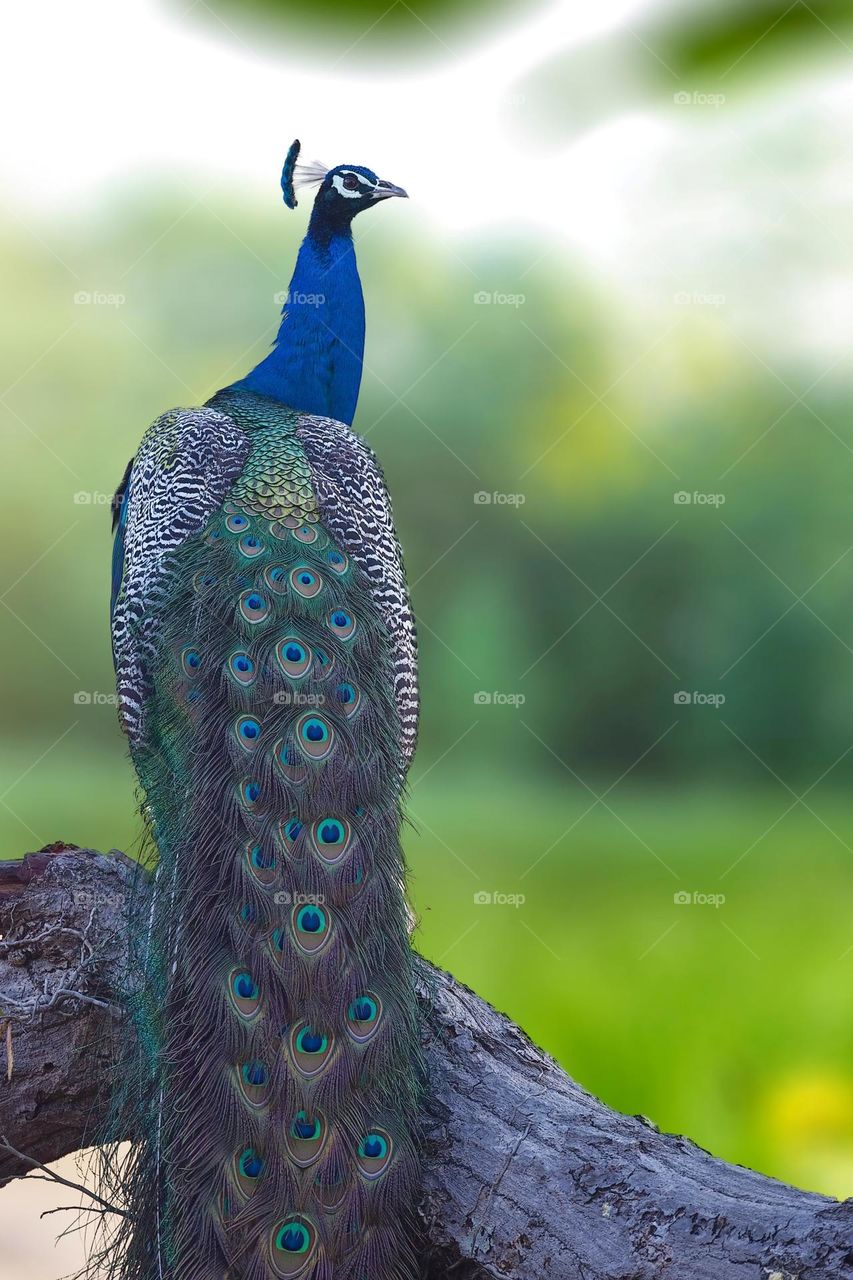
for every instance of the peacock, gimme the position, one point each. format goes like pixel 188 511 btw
pixel 266 668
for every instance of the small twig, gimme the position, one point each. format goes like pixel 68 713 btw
pixel 9 943
pixel 77 1208
pixel 29 1008
pixel 5 1145
pixel 61 992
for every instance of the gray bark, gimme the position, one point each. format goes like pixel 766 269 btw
pixel 527 1175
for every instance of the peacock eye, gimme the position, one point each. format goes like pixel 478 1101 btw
pixel 350 182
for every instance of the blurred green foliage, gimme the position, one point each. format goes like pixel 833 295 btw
pixel 710 37
pixel 716 37
pixel 593 595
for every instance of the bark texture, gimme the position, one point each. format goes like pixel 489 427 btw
pixel 528 1176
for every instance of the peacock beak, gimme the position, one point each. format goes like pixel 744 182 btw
pixel 384 189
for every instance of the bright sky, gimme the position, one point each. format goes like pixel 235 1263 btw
pixel 658 197
pixel 124 87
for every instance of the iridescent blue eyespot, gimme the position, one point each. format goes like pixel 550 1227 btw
pixel 309 1041
pixel 331 839
pixel 305 1138
pixel 306 582
pixel 338 562
pixel 250 546
pixel 236 523
pixel 302 1127
pixel 252 1081
pixel 262 863
pixel 245 993
pixel 251 1164
pixel 374 1153
pixel 241 667
pixel 310 920
pixel 312 928
pixel 363 1018
pixel 315 736
pixel 191 662
pixel 293 657
pixel 305 533
pixel 342 623
pixel 295 1239
pixel 248 732
pixel 276 578
pixel 349 695
pixel 253 606
pixel 254 1073
pixel 249 793
pixel 289 762
pixel 310 1049
pixel 373 1146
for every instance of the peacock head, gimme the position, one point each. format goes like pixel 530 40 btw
pixel 343 191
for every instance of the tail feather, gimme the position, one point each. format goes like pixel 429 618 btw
pixel 278 1068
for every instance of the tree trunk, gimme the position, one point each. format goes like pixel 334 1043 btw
pixel 527 1175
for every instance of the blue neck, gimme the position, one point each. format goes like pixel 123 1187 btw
pixel 315 364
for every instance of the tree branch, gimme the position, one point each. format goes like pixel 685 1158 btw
pixel 527 1175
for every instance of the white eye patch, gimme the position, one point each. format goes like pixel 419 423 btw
pixel 338 184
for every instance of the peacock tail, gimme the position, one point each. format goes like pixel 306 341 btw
pixel 274 1075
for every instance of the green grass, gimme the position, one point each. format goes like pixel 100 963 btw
pixel 730 1023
